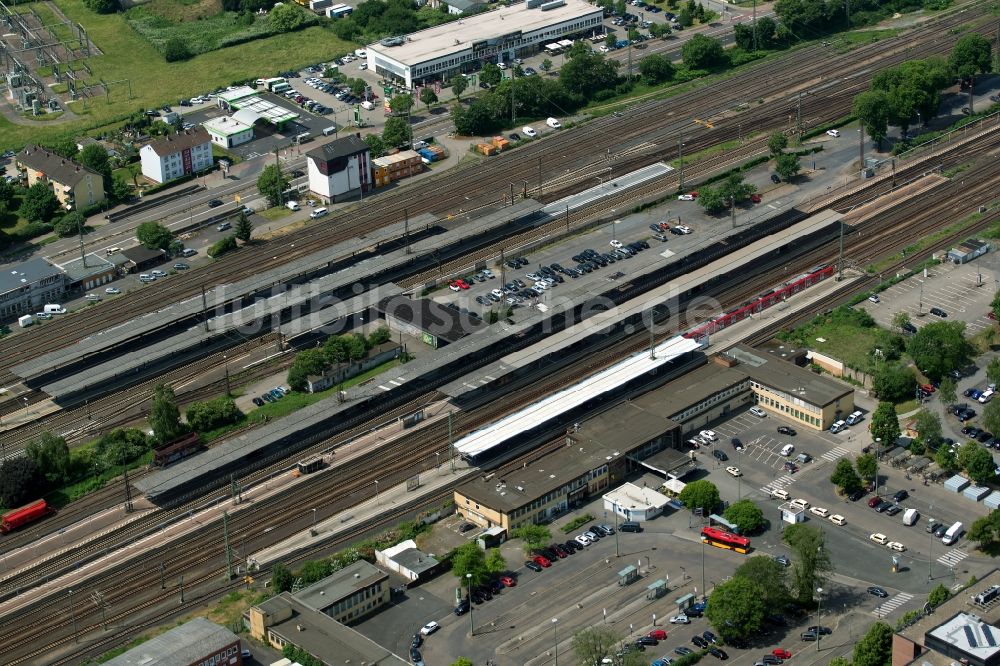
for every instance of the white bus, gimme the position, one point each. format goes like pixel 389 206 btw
pixel 951 536
pixel 553 49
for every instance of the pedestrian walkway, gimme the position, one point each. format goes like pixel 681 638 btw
pixel 953 557
pixel 835 453
pixel 778 484
pixel 892 604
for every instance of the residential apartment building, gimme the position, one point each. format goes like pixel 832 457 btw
pixel 76 187
pixel 176 155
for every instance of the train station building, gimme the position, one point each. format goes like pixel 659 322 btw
pixel 520 30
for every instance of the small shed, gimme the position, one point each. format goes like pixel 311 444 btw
pixel 992 501
pixel 956 484
pixel 976 493
pixel 967 251
pixel 791 515
pixel 657 589
pixel 628 575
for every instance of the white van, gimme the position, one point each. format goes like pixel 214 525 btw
pixel 112 250
pixel 778 493
pixel 854 417
pixel 367 105
pixel 838 426
pixel 553 123
pixel 53 308
pixel 951 536
pixel 319 212
pixel 910 517
pixel 787 450
pixel 292 205
pixel 329 130
pixel 146 277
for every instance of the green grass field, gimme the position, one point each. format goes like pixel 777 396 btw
pixel 154 82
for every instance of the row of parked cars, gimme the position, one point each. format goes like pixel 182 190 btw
pixel 274 395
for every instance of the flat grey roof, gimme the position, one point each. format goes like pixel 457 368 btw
pixel 671 462
pixel 788 377
pixel 325 638
pixel 181 646
pixel 83 267
pixel 197 338
pixel 340 584
pixel 460 229
pixel 601 439
pixel 415 560
pixel 431 317
pixel 455 36
pixel 958 603
pixel 690 388
pixel 29 272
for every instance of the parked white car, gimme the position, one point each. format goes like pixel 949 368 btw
pixel 758 412
pixel 832 132
pixel 529 132
pixel 553 123
pixel 734 471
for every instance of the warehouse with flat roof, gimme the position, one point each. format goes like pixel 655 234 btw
pixel 463 46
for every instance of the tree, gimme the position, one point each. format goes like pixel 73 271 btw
pixel 286 17
pixel 900 320
pixel 546 65
pixel 307 362
pixel 661 30
pixel 221 246
pixel 69 224
pixel 244 227
pixel 355 347
pixel 95 156
pixel 469 559
pixel 894 382
pixel 376 144
pixel 938 595
pixel 358 87
pixel 700 494
pixel 20 481
pixel 401 104
pixel 656 68
pixel 928 425
pixel 534 536
pixel 845 478
pixel 701 52
pixel 462 661
pixel 102 6
pixel 991 416
pixel 971 55
pixel 977 462
pixel 212 414
pixel 747 516
pixel 685 18
pixel 458 86
pixel 811 563
pixel 120 189
pixel 175 50
pixel 940 347
pixel 984 529
pixel 777 143
pixel 867 465
pixel 711 199
pixel 281 578
pixel 995 305
pixel 396 132
pixel 875 647
pixel 154 235
pixel 734 190
pixel 495 563
pixel 39 203
pixel 770 575
pixel 885 424
pixel 872 109
pixel 736 609
pixel 947 391
pixel 272 183
pixel 490 74
pixel 378 336
pixel 787 165
pixel 164 417
pixel 588 73
pixel 946 459
pixel 594 644
pixel 428 97
pixel 51 454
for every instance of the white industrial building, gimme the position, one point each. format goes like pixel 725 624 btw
pixel 228 131
pixel 497 36
pixel 176 155
pixel 340 169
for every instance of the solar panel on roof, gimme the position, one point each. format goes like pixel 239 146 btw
pixel 988 634
pixel 969 636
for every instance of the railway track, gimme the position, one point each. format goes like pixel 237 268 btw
pixel 459 191
pixel 137 590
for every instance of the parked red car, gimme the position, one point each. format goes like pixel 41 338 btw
pixel 507 581
pixel 658 634
pixel 541 561
pixel 781 653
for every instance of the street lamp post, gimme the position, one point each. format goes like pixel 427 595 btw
pixel 376 492
pixel 472 623
pixel 555 638
pixel 819 616
pixel 314 519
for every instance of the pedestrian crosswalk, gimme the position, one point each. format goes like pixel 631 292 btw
pixel 953 557
pixel 777 484
pixel 835 453
pixel 893 603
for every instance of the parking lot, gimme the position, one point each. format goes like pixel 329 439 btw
pixel 963 292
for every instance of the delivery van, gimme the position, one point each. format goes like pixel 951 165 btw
pixel 910 517
pixel 319 212
pixel 53 308
pixel 329 130
pixel 951 536
pixel 292 205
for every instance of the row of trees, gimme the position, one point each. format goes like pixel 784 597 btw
pixel 469 559
pixel 336 349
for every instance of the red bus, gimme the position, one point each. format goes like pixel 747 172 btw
pixel 713 536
